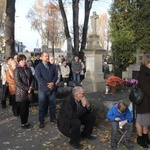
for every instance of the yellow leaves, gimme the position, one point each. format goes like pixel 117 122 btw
pixel 106 137
pixel 89 147
pixel 130 61
pixel 103 139
pixel 64 143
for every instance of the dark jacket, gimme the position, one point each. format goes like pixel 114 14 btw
pixel 67 112
pixel 44 76
pixel 76 66
pixel 24 80
pixel 144 83
pixel 36 62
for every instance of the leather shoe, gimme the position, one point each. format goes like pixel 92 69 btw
pixel 75 145
pixel 41 125
pixel 89 137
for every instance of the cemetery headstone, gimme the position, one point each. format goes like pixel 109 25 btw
pixel 94 76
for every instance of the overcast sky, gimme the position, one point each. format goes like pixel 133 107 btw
pixel 30 38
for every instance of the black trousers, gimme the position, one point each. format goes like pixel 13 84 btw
pixel 88 120
pixel 24 111
pixel 14 104
pixel 66 80
pixel 5 93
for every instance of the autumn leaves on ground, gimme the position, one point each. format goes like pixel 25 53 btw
pixel 49 138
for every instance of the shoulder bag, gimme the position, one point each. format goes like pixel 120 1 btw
pixel 136 95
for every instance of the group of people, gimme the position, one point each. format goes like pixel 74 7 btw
pixel 75 111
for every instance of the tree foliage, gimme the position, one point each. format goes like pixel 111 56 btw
pixel 45 18
pixel 129 29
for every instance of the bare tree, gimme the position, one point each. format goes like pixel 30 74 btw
pixel 9 28
pixel 103 29
pixel 75 10
pixel 46 20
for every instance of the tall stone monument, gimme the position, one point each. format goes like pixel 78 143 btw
pixel 94 77
pixel 69 49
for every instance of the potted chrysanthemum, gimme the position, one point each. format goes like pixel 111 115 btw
pixel 113 82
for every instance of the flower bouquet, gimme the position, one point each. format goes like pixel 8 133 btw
pixel 114 81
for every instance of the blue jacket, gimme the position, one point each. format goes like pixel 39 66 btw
pixel 113 113
pixel 44 76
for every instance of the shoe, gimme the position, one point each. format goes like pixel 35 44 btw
pixel 24 126
pixel 89 137
pixel 54 121
pixel 141 142
pixel 113 144
pixel 28 125
pixel 128 144
pixel 146 138
pixel 75 145
pixel 41 125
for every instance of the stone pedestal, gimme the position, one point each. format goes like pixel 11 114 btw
pixel 94 77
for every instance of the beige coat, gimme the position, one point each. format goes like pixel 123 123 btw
pixel 65 71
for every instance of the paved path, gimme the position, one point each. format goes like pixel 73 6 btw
pixel 12 137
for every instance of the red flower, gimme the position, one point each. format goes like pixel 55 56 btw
pixel 114 81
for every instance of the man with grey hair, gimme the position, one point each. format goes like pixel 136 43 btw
pixel 76 69
pixel 74 112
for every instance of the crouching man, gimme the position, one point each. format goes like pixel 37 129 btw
pixel 76 111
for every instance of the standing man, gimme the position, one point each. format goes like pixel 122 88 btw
pixel 46 75
pixel 36 61
pixel 76 69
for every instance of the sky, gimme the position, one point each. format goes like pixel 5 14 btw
pixel 31 38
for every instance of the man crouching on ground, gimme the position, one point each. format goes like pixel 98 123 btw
pixel 74 112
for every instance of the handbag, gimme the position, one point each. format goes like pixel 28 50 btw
pixel 136 95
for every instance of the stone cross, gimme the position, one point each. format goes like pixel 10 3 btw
pixel 138 55
pixel 93 22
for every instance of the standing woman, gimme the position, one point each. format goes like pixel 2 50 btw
pixel 143 109
pixel 24 80
pixel 12 87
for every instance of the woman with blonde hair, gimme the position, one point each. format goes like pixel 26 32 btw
pixel 143 109
pixel 12 87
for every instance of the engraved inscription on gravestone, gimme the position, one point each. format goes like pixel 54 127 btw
pixel 90 63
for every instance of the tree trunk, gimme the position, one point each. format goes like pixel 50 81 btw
pixel 53 53
pixel 75 8
pixel 9 28
pixel 66 28
pixel 88 6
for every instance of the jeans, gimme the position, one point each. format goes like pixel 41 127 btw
pixel 76 77
pixel 45 99
pixel 115 127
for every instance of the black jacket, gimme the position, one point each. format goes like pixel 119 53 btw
pixel 24 79
pixel 67 112
pixel 144 83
